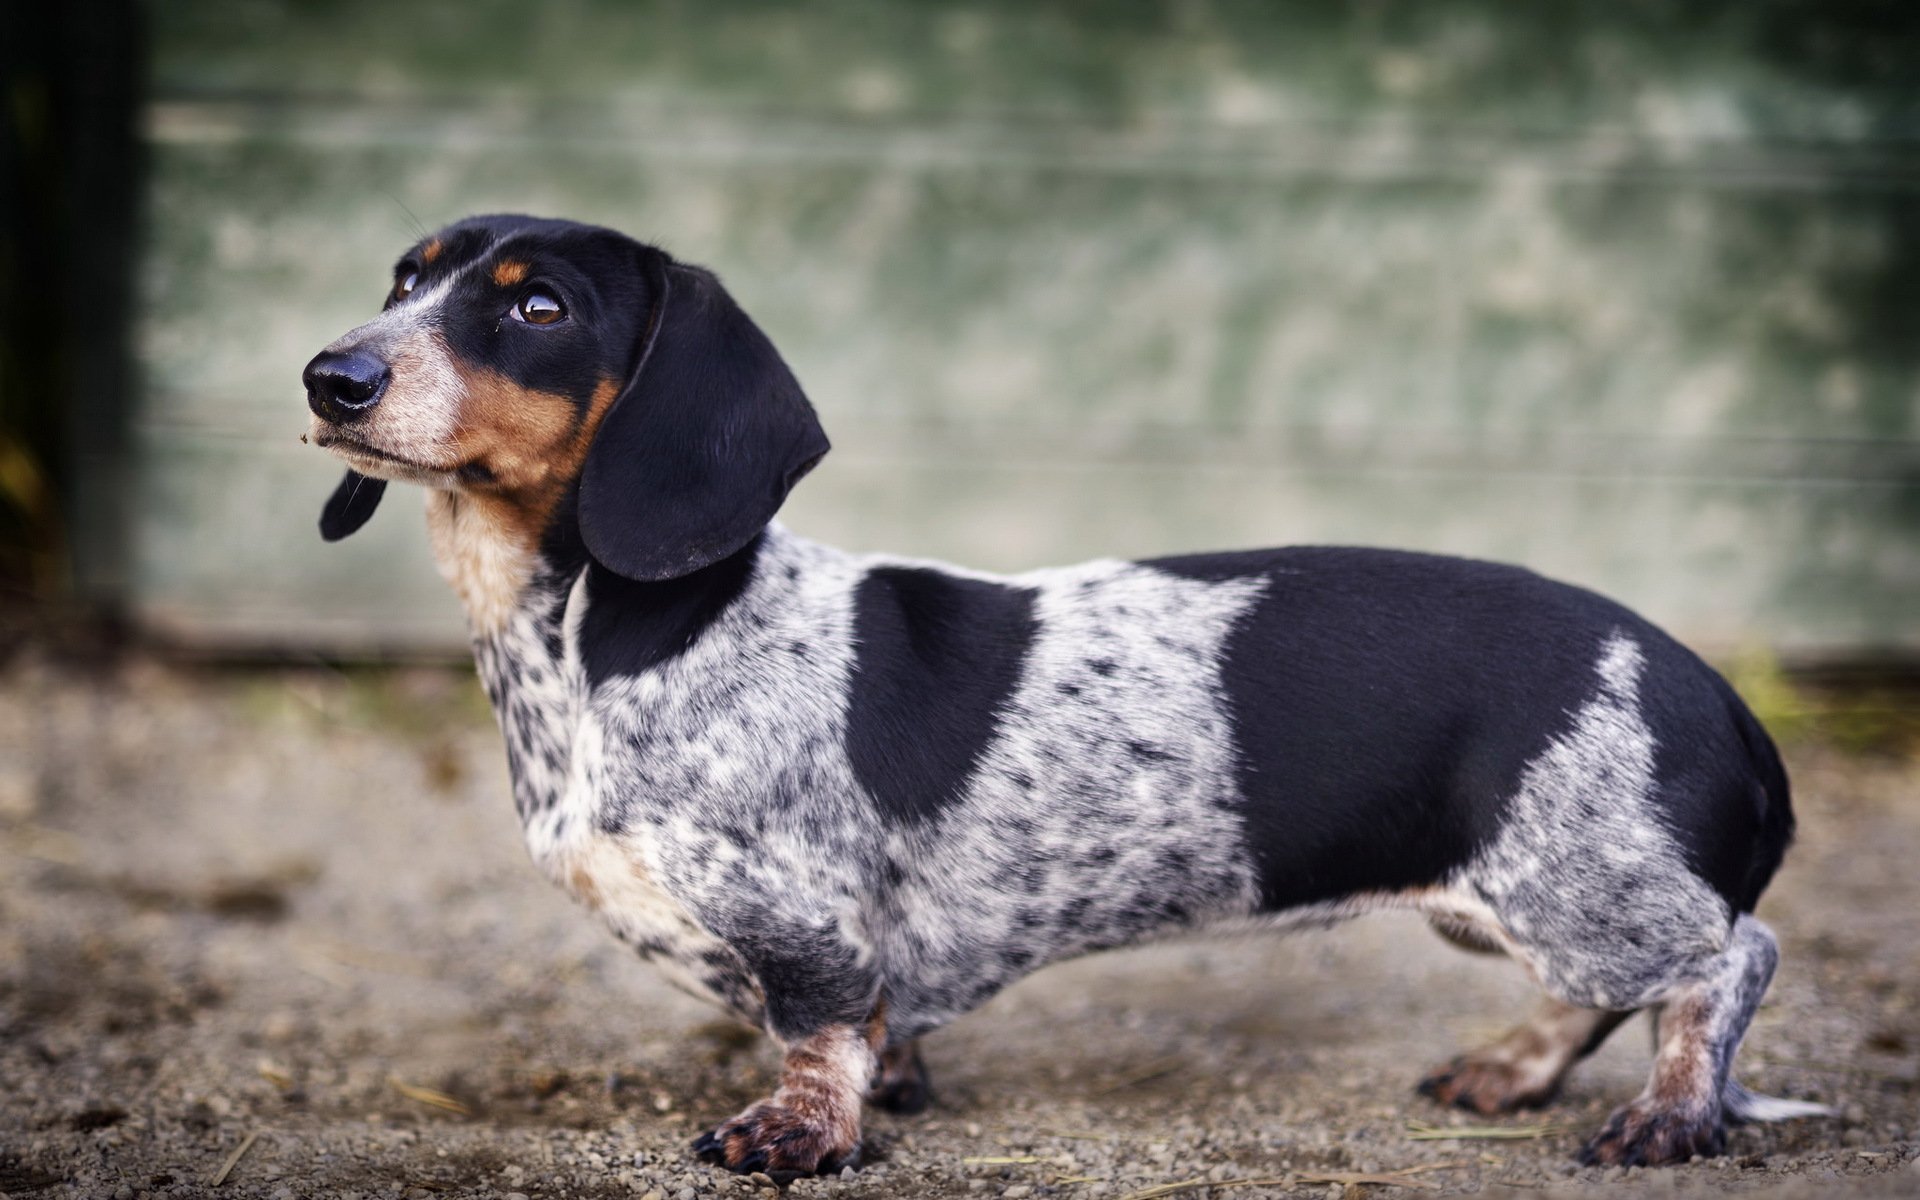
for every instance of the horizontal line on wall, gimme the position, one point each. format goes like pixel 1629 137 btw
pixel 1312 450
pixel 1374 152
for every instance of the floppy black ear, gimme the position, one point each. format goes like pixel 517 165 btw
pixel 350 505
pixel 698 453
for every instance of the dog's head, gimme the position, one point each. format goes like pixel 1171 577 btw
pixel 528 361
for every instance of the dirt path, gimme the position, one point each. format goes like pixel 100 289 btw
pixel 266 909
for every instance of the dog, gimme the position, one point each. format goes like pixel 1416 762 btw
pixel 850 797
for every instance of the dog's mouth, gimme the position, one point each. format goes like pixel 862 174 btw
pixel 353 448
pixel 369 459
pixel 346 446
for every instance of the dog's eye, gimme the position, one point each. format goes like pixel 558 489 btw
pixel 539 308
pixel 404 283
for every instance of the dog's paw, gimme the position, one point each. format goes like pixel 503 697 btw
pixel 901 1087
pixel 780 1141
pixel 1643 1135
pixel 1486 1085
pixel 902 1097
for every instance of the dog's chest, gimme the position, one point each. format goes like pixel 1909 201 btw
pixel 559 768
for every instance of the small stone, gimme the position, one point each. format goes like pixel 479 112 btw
pixel 282 1192
pixel 1854 1137
pixel 516 1196
pixel 847 1173
pixel 1017 1191
pixel 1855 1113
pixel 123 1192
pixel 1613 1174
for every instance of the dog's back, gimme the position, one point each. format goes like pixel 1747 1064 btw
pixel 1385 705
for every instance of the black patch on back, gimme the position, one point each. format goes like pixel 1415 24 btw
pixel 936 656
pixel 631 625
pixel 1384 704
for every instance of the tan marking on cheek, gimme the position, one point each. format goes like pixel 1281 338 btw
pixel 509 271
pixel 527 440
pixel 432 250
pixel 518 434
pixel 531 444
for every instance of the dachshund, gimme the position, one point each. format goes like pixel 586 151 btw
pixel 849 797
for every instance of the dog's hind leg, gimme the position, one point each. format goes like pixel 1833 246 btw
pixel 900 1082
pixel 1682 1112
pixel 1525 1067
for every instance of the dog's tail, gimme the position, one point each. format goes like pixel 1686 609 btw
pixel 1743 1107
pixel 1771 797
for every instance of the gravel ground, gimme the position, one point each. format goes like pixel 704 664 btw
pixel 279 924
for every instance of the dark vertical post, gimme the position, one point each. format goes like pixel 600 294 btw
pixel 70 169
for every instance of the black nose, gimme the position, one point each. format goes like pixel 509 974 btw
pixel 342 387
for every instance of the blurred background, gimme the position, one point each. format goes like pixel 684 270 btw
pixel 1627 292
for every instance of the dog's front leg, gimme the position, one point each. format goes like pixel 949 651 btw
pixel 811 1125
pixel 825 1010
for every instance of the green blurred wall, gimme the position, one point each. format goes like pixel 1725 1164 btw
pixel 1627 292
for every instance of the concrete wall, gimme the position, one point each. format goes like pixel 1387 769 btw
pixel 1624 292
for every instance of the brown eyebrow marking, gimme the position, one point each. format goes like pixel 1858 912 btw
pixel 509 271
pixel 432 250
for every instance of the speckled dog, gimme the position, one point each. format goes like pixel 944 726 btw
pixel 850 797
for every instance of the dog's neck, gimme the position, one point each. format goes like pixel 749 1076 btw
pixel 488 557
pixel 514 587
pixel 524 598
